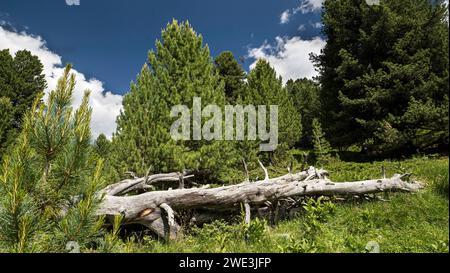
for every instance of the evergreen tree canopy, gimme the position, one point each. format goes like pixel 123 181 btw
pixel 180 69
pixel 322 147
pixel 306 97
pixel 6 118
pixel 102 145
pixel 384 74
pixel 266 88
pixel 104 150
pixel 231 73
pixel 143 138
pixel 49 179
pixel 21 81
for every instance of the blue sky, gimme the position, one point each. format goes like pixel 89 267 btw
pixel 107 40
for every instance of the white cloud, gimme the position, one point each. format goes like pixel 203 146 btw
pixel 290 57
pixel 445 3
pixel 316 24
pixel 309 6
pixel 304 7
pixel 105 105
pixel 285 16
pixel 301 27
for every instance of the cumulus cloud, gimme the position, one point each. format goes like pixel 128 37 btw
pixel 316 24
pixel 285 16
pixel 309 6
pixel 304 7
pixel 105 105
pixel 290 56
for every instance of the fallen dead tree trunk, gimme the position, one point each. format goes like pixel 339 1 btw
pixel 156 209
pixel 144 183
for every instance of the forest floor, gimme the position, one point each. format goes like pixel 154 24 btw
pixel 401 223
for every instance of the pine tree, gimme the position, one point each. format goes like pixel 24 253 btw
pixel 49 180
pixel 143 138
pixel 384 75
pixel 102 145
pixel 232 73
pixel 6 120
pixel 265 88
pixel 21 81
pixel 306 98
pixel 322 147
pixel 180 69
pixel 103 149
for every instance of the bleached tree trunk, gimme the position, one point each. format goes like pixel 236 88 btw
pixel 143 183
pixel 156 209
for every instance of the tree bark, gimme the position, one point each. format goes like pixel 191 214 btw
pixel 130 185
pixel 147 208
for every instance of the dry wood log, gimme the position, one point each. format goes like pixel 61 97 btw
pixel 248 212
pixel 130 185
pixel 266 173
pixel 146 208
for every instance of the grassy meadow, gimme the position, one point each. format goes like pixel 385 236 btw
pixel 397 223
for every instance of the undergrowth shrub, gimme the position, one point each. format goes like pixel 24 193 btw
pixel 317 212
pixel 254 231
pixel 217 234
pixel 302 245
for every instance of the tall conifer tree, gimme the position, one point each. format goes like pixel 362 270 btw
pixel 21 82
pixel 266 88
pixel 306 97
pixel 231 73
pixel 180 69
pixel 384 74
pixel 322 147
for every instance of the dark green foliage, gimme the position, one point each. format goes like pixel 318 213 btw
pixel 306 97
pixel 232 73
pixel 384 75
pixel 104 150
pixel 102 145
pixel 266 88
pixel 317 211
pixel 180 69
pixel 6 121
pixel 322 147
pixel 49 180
pixel 21 81
pixel 143 138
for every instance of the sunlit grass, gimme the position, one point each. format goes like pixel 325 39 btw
pixel 404 223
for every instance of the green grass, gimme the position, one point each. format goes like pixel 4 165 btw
pixel 405 223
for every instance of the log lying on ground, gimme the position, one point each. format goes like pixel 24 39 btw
pixel 156 209
pixel 143 183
